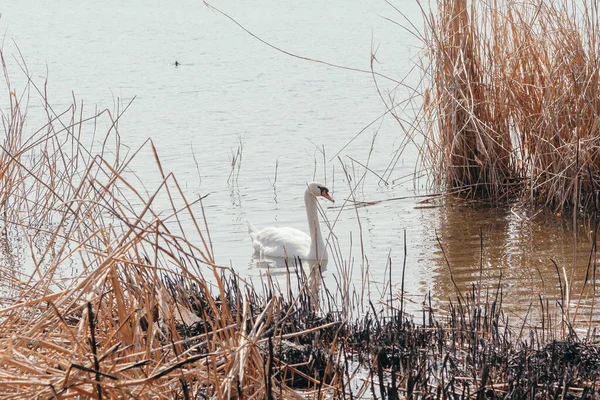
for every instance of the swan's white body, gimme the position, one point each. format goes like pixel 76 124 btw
pixel 290 242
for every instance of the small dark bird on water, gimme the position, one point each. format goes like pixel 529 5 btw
pixel 177 63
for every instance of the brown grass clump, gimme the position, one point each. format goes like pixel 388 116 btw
pixel 515 98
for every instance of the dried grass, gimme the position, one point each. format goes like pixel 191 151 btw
pixel 514 107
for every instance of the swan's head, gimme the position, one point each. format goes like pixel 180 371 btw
pixel 318 189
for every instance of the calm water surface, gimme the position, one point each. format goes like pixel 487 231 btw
pixel 291 118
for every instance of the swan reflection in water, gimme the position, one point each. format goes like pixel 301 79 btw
pixel 291 274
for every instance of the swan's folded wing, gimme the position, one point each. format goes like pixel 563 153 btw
pixel 272 242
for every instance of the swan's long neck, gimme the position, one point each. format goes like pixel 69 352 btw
pixel 317 246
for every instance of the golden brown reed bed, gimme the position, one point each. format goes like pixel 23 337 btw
pixel 110 269
pixel 514 105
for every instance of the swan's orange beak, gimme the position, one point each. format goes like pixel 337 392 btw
pixel 325 194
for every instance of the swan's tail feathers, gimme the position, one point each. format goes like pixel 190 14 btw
pixel 252 231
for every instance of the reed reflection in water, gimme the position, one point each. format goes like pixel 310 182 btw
pixel 531 257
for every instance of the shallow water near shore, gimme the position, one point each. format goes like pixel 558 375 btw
pixel 287 121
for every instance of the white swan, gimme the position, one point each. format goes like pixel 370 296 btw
pixel 290 242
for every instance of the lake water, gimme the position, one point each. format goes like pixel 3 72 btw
pixel 293 119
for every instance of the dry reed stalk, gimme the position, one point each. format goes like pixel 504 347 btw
pixel 516 97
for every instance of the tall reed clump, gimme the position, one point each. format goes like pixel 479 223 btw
pixel 514 102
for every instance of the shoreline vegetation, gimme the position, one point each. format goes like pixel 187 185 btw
pixel 121 299
pixel 513 112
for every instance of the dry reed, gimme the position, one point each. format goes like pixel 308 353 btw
pixel 514 104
